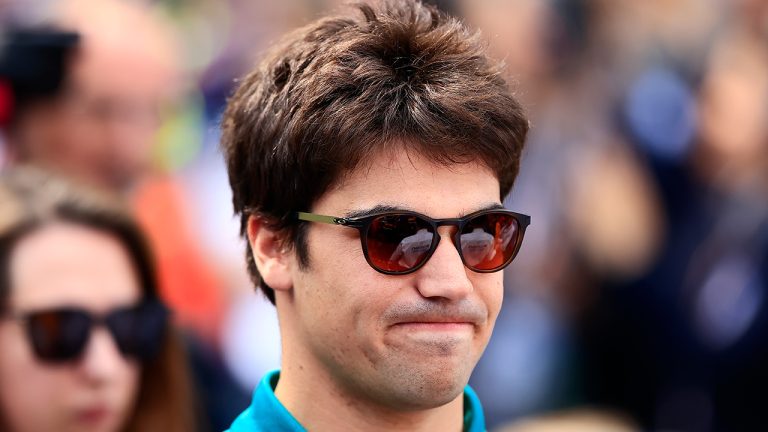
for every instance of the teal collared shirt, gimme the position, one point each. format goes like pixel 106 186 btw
pixel 266 413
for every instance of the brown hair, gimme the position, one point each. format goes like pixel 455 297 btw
pixel 30 199
pixel 395 75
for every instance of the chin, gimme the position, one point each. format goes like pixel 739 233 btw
pixel 428 397
pixel 431 385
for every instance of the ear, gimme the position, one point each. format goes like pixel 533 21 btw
pixel 272 259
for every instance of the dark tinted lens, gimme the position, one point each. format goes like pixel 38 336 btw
pixel 138 330
pixel 488 241
pixel 399 242
pixel 58 335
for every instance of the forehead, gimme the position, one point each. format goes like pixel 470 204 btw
pixel 412 181
pixel 122 46
pixel 69 264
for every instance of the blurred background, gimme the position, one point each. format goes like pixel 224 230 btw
pixel 638 300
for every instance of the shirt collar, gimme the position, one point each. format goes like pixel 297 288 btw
pixel 267 413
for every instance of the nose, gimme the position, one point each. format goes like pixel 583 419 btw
pixel 444 275
pixel 101 360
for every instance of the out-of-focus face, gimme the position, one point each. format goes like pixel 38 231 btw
pixel 103 126
pixel 404 342
pixel 60 265
pixel 732 105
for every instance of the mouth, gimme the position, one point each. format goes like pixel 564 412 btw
pixel 436 316
pixel 432 338
pixel 94 415
pixel 435 325
pixel 445 327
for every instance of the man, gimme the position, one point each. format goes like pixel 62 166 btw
pixel 368 156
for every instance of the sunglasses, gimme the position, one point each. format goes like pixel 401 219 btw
pixel 400 242
pixel 61 335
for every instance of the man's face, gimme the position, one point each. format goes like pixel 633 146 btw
pixel 408 341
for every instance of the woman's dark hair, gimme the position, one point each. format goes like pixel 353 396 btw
pixel 394 76
pixel 31 199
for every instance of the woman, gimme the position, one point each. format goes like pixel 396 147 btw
pixel 85 344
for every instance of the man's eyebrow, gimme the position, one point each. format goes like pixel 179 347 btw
pixel 382 208
pixel 489 206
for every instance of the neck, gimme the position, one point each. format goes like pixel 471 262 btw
pixel 320 404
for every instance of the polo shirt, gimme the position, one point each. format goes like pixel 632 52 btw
pixel 266 413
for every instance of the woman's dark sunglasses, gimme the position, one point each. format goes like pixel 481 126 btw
pixel 60 335
pixel 400 242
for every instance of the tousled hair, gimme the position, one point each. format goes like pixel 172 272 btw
pixel 391 76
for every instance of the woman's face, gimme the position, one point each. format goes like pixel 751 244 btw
pixel 67 265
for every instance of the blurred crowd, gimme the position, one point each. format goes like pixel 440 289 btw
pixel 638 300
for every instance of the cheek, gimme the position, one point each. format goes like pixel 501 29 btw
pixel 128 378
pixel 490 289
pixel 26 385
pixel 127 390
pixel 334 250
pixel 337 277
pixel 340 301
pixel 16 359
pixel 84 143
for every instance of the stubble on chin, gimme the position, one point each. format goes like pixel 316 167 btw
pixel 408 380
pixel 429 383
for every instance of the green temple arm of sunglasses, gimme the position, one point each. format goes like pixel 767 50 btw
pixel 311 217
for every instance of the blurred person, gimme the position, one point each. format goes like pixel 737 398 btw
pixel 110 73
pixel 376 121
pixel 731 154
pixel 115 84
pixel 682 346
pixel 86 345
pixel 92 110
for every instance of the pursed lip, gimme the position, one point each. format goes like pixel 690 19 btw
pixel 434 326
pixel 437 323
pixel 93 414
